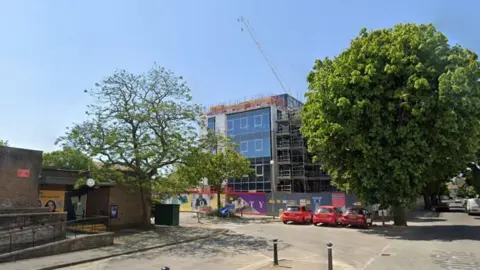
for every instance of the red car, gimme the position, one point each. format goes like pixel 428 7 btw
pixel 327 215
pixel 356 216
pixel 297 214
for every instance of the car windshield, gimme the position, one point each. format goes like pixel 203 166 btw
pixel 324 210
pixel 293 208
pixel 353 211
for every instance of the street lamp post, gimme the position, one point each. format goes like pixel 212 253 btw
pixel 273 186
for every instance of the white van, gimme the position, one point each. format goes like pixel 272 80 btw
pixel 473 206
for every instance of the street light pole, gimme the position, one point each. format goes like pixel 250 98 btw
pixel 274 185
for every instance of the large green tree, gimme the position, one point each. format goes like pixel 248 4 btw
pixel 67 159
pixel 215 160
pixel 399 108
pixel 144 123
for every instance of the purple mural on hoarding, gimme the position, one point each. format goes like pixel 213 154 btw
pixel 254 203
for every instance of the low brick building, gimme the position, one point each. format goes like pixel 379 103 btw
pixel 122 204
pixel 87 202
pixel 19 177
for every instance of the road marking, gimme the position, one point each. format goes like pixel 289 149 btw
pixel 255 265
pixel 375 257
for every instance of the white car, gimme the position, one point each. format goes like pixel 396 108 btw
pixel 473 206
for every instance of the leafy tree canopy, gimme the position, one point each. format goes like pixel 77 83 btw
pixel 466 192
pixel 143 122
pixel 3 143
pixel 67 159
pixel 215 160
pixel 398 108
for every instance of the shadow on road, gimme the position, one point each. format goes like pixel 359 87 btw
pixel 456 210
pixel 224 246
pixel 427 219
pixel 427 233
pixel 140 239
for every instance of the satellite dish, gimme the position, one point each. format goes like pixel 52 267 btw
pixel 90 182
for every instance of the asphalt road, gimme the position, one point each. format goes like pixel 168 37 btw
pixel 449 241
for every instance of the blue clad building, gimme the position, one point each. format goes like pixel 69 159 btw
pixel 254 127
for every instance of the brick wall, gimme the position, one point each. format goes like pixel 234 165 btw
pixel 18 191
pixel 97 200
pixel 9 221
pixel 27 237
pixel 129 205
pixel 60 247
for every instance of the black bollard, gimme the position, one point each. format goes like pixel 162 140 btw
pixel 330 257
pixel 165 268
pixel 275 252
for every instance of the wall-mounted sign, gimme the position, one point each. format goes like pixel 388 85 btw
pixel 23 173
pixel 113 211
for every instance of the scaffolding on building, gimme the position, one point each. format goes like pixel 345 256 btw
pixel 296 170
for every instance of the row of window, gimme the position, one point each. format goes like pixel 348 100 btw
pixel 248 122
pixel 245 187
pixel 253 148
pixel 257 122
pixel 258 145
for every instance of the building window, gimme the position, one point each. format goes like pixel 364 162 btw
pixel 259 170
pixel 230 125
pixel 243 147
pixel 258 145
pixel 243 122
pixel 211 123
pixel 258 120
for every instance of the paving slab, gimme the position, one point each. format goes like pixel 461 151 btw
pixel 300 265
pixel 126 243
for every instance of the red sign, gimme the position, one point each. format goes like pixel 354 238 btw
pixel 23 173
pixel 338 199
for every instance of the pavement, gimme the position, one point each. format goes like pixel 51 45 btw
pixel 430 242
pixel 125 242
pixel 449 241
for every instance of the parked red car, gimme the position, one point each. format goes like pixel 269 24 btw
pixel 356 216
pixel 330 215
pixel 297 214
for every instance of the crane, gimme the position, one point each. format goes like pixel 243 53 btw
pixel 275 72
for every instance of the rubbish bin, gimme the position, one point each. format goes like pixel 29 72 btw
pixel 167 214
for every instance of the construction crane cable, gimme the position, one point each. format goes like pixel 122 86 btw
pixel 272 67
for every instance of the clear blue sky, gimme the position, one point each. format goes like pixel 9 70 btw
pixel 50 51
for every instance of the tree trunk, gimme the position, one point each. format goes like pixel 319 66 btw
pixel 433 199
pixel 427 202
pixel 219 203
pixel 399 216
pixel 146 208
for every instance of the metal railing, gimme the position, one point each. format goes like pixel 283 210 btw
pixel 25 237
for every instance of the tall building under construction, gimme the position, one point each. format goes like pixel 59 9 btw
pixel 266 130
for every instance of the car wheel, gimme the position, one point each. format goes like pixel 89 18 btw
pixel 315 224
pixel 284 222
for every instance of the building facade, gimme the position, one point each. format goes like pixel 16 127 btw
pixel 257 126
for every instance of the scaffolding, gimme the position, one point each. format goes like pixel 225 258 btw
pixel 296 170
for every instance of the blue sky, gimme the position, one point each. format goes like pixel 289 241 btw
pixel 50 51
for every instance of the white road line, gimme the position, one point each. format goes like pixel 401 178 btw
pixel 255 265
pixel 375 257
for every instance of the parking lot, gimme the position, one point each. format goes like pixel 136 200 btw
pixel 449 241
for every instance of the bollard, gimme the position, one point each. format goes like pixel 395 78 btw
pixel 330 257
pixel 275 252
pixel 165 268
